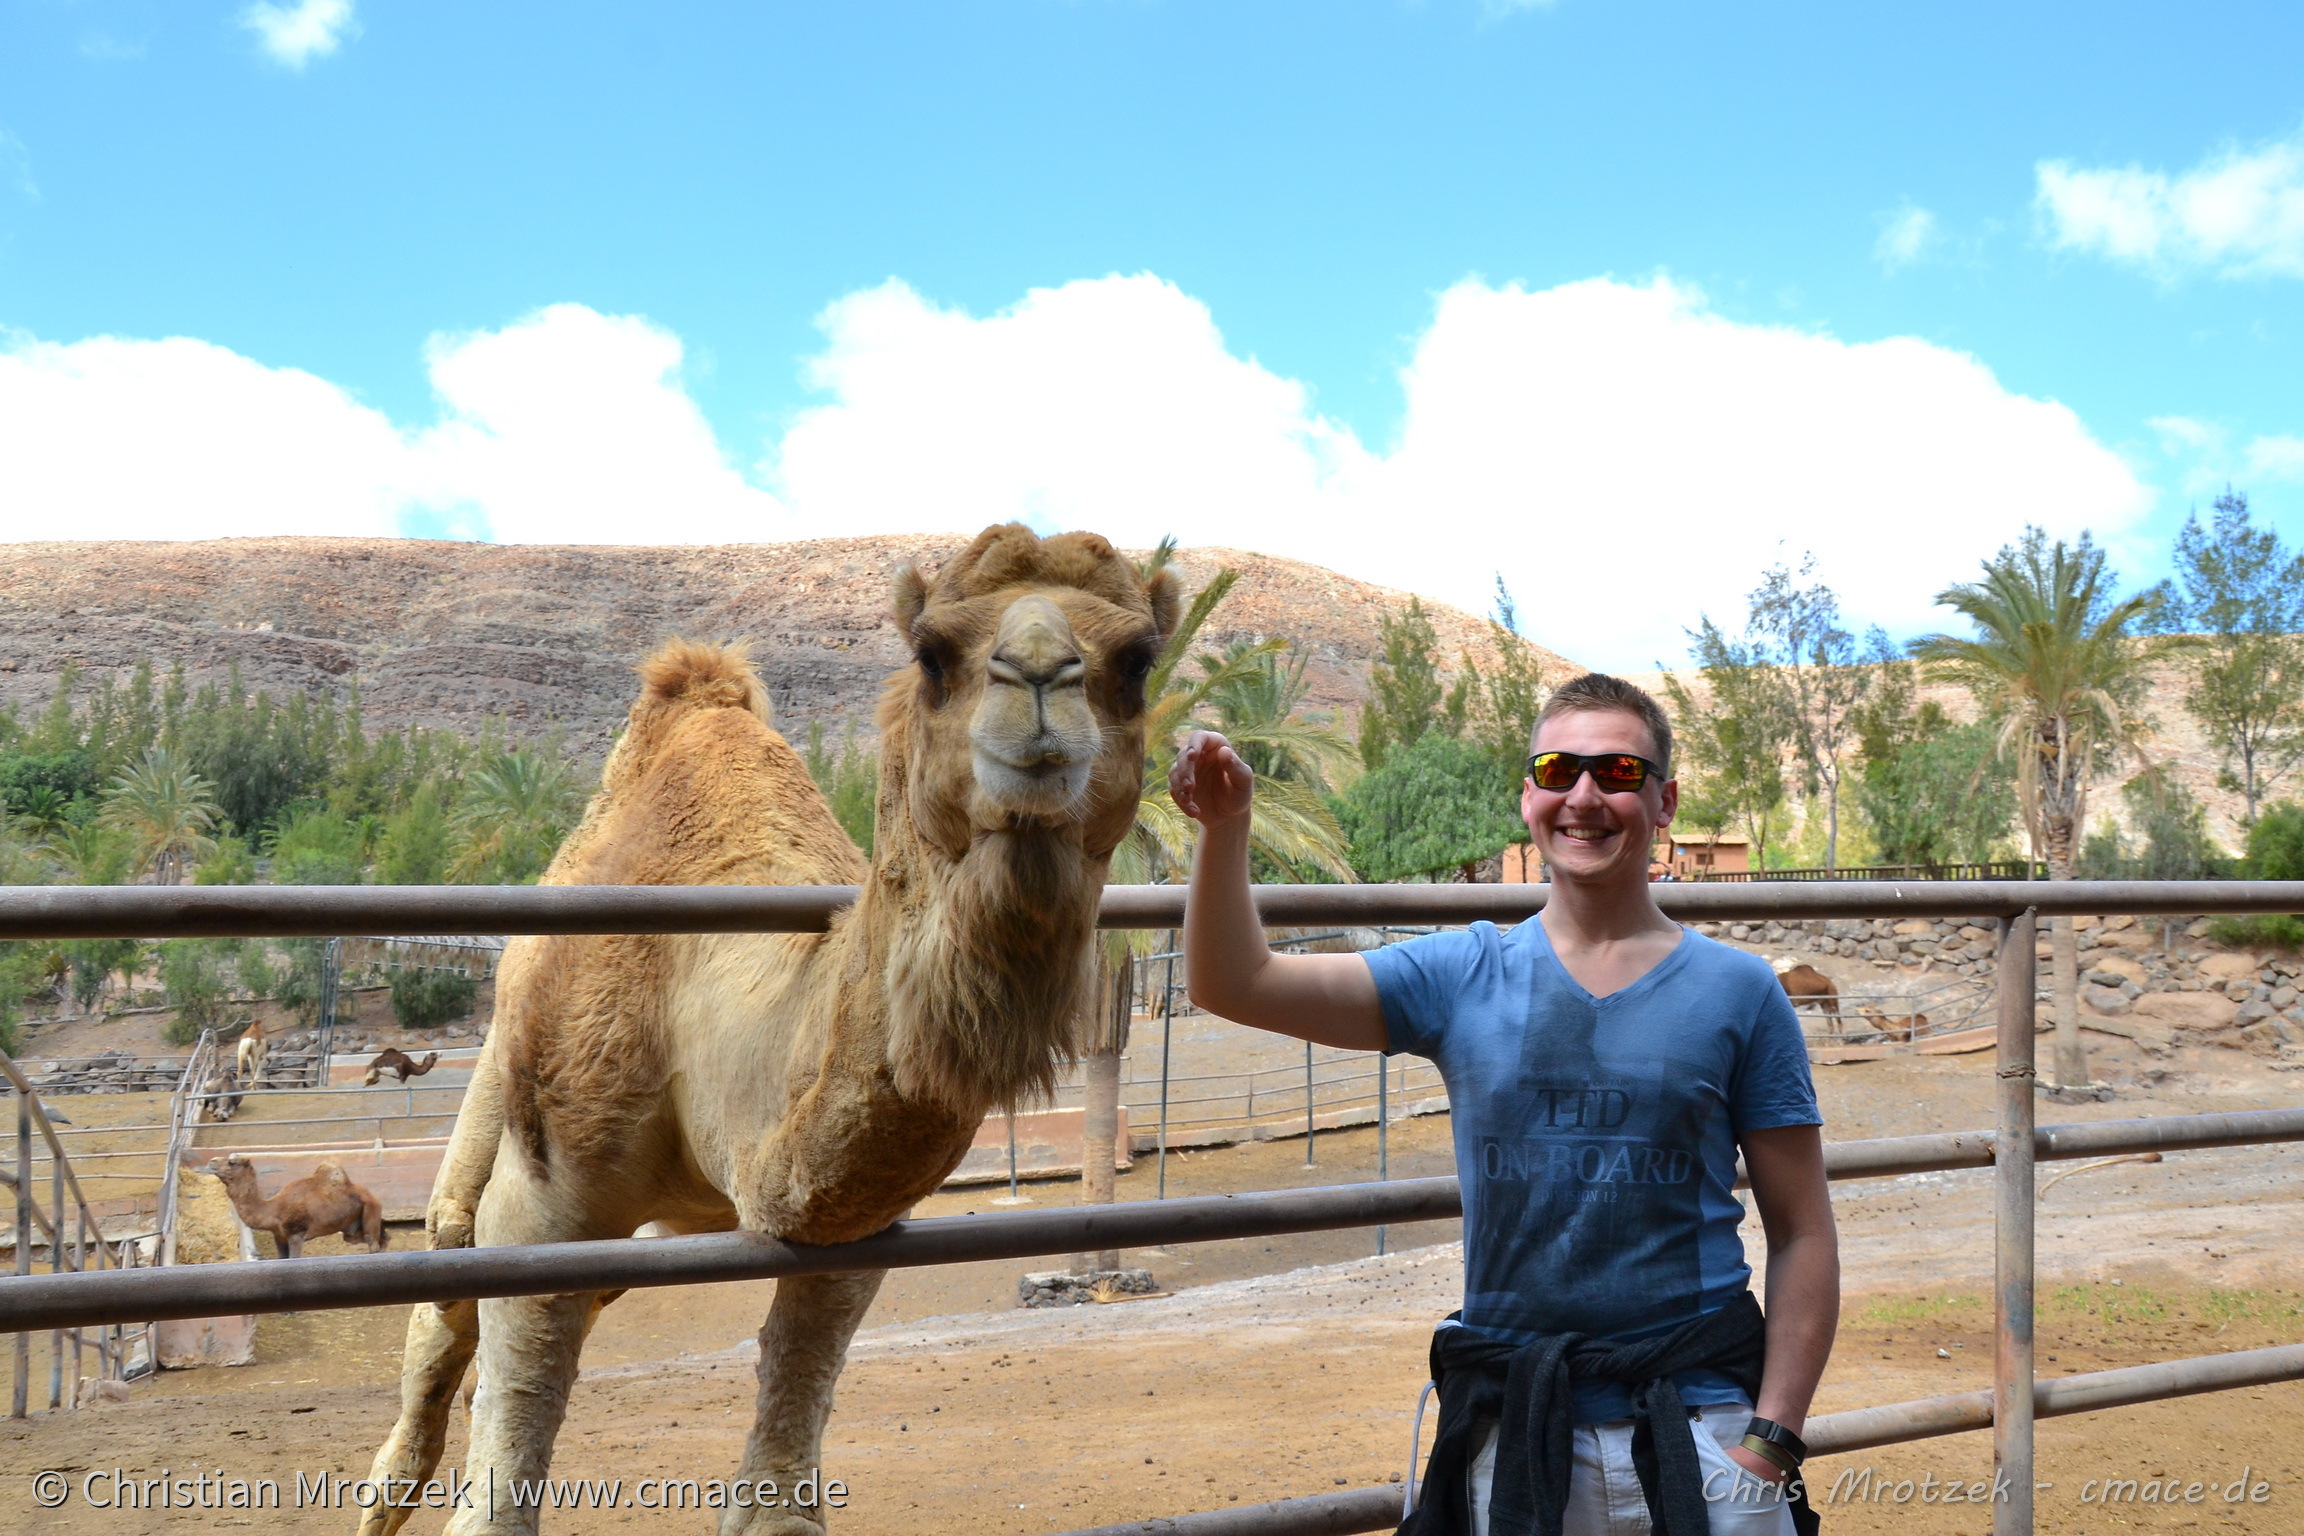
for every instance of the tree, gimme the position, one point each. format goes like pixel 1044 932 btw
pixel 418 842
pixel 850 781
pixel 1288 825
pixel 2055 658
pixel 192 974
pixel 514 811
pixel 1933 791
pixel 1796 630
pixel 165 810
pixel 1405 695
pixel 2241 589
pixel 1439 804
pixel 1735 736
pixel 311 845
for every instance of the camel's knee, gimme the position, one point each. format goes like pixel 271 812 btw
pixel 441 1341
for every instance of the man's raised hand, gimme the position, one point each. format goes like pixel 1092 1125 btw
pixel 1210 783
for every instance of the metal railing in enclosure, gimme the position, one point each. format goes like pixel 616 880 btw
pixel 2006 869
pixel 121 1351
pixel 2011 1148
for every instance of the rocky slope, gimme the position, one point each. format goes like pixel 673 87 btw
pixel 448 634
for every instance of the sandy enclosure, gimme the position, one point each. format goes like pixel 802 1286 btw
pixel 1290 1366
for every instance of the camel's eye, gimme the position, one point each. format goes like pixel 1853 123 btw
pixel 935 668
pixel 1136 663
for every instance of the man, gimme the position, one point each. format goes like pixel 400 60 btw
pixel 1604 1067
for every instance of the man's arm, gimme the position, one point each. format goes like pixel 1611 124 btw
pixel 1233 973
pixel 1786 1166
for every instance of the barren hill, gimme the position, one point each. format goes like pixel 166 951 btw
pixel 448 634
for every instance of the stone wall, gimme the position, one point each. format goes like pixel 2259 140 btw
pixel 2166 984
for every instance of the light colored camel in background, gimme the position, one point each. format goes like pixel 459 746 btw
pixel 323 1203
pixel 254 1050
pixel 807 1086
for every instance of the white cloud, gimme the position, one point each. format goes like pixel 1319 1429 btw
pixel 573 427
pixel 1622 455
pixel 178 439
pixel 568 427
pixel 2207 459
pixel 1905 237
pixel 2239 213
pixel 295 35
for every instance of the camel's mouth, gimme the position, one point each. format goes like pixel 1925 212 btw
pixel 1045 779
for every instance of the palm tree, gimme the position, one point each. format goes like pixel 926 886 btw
pixel 166 811
pixel 2057 662
pixel 511 817
pixel 1289 824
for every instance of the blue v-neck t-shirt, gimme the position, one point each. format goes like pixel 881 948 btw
pixel 1596 1137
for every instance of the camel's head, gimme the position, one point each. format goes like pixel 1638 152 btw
pixel 374 1074
pixel 1025 703
pixel 229 1168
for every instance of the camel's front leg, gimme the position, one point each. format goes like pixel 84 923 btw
pixel 802 1347
pixel 441 1339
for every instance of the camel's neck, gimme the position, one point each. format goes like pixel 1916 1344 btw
pixel 251 1206
pixel 986 955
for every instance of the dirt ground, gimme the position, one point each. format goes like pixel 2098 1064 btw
pixel 961 1413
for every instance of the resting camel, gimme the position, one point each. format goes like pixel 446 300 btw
pixel 323 1203
pixel 811 1087
pixel 394 1059
pixel 219 1095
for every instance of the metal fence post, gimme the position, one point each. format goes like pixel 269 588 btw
pixel 1167 1033
pixel 2012 1285
pixel 1307 1103
pixel 1383 1131
pixel 19 1400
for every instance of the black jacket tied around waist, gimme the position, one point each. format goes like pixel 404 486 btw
pixel 1526 1388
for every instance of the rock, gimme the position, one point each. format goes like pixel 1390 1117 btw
pixel 2198 929
pixel 1062 1288
pixel 2251 1011
pixel 2283 998
pixel 2105 1001
pixel 2186 1010
pixel 2226 966
pixel 2263 1038
pixel 2117 924
pixel 1912 926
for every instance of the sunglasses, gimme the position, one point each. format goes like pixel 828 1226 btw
pixel 1615 773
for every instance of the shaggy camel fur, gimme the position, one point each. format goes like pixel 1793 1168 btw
pixel 323 1203
pixel 393 1059
pixel 807 1086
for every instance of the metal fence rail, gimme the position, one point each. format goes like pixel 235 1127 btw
pixel 363 1280
pixel 315 911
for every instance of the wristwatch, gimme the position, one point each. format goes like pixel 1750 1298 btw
pixel 1772 1442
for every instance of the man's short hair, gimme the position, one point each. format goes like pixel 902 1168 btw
pixel 1599 691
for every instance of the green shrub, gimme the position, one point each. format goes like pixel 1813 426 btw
pixel 192 974
pixel 421 999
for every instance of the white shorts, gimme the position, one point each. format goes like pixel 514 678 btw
pixel 1604 1497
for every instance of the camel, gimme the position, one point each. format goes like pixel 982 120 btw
pixel 807 1086
pixel 393 1059
pixel 1803 983
pixel 254 1050
pixel 219 1095
pixel 323 1203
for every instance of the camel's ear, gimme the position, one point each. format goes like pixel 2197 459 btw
pixel 911 592
pixel 1161 591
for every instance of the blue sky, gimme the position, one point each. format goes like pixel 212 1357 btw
pixel 1265 213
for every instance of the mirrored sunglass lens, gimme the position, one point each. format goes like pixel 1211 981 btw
pixel 1620 773
pixel 1554 770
